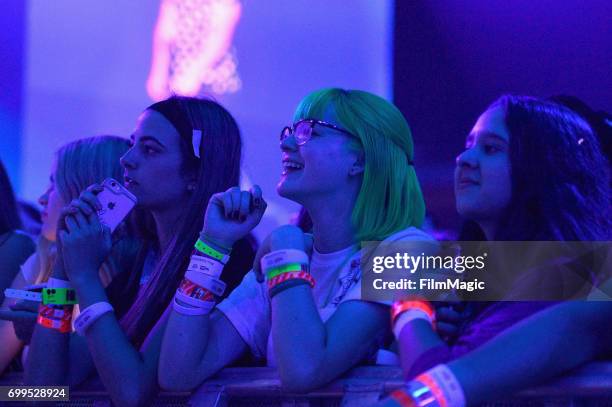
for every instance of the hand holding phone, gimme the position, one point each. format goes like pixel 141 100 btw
pixel 116 202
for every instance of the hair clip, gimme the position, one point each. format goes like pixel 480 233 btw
pixel 196 141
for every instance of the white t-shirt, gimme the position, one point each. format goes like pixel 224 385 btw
pixel 337 277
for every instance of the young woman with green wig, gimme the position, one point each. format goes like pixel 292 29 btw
pixel 348 160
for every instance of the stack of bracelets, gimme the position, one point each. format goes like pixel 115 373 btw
pixel 202 285
pixel 285 269
pixel 437 387
pixel 58 301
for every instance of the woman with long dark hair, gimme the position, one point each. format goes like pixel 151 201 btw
pixel 532 171
pixel 183 151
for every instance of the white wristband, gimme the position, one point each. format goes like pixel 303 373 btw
pixel 185 310
pixel 22 294
pixel 217 287
pixel 406 317
pixel 445 378
pixel 90 315
pixel 194 302
pixel 57 283
pixel 282 257
pixel 205 265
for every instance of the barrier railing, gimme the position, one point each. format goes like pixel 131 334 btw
pixel 590 385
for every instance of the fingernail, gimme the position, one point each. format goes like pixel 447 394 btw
pixel 256 201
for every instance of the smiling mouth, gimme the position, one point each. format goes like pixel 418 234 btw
pixel 290 166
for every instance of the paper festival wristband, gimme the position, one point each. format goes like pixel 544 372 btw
pixel 206 265
pixel 211 252
pixel 273 291
pixel 194 302
pixel 60 325
pixel 191 289
pixel 55 311
pixel 440 383
pixel 276 271
pixel 59 296
pixel 401 397
pixel 301 275
pixel 90 315
pixel 406 317
pixel 404 305
pixel 215 286
pixel 188 310
pixel 215 245
pixel 280 258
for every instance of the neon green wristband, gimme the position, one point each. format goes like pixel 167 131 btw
pixel 287 268
pixel 59 296
pixel 211 252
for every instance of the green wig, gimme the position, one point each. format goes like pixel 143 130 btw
pixel 390 198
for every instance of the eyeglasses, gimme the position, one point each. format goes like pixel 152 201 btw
pixel 303 129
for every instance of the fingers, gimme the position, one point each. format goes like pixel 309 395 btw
pixel 447 330
pixel 89 198
pixel 9 315
pixel 245 205
pixel 30 306
pixel 447 314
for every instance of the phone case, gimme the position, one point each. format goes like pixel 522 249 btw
pixel 116 203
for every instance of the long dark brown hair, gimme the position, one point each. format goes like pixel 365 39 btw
pixel 217 170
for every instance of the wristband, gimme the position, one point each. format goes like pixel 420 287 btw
pixel 285 286
pixel 90 315
pixel 283 257
pixel 276 271
pixel 59 296
pixel 195 302
pixel 191 289
pixel 404 305
pixel 217 287
pixel 438 383
pixel 56 311
pixel 60 325
pixel 184 310
pixel 22 294
pixel 58 283
pixel 408 316
pixel 206 265
pixel 206 238
pixel 211 252
pixel 301 275
pixel 402 398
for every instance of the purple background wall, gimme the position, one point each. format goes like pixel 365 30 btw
pixel 454 57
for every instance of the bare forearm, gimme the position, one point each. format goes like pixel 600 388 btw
pixel 539 348
pixel 298 334
pixel 180 334
pixel 416 338
pixel 47 362
pixel 119 364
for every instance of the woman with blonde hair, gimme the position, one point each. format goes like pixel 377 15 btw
pixel 75 166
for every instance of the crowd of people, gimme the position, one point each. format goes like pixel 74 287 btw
pixel 183 271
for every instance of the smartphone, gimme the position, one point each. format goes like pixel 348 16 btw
pixel 116 203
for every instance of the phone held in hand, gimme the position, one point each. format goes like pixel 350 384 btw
pixel 116 203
